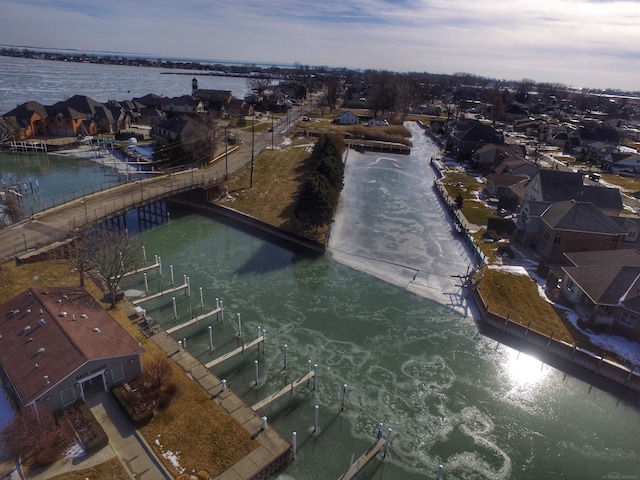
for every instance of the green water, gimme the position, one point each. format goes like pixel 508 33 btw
pixel 451 396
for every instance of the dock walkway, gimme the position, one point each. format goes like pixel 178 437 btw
pixel 235 352
pixel 364 459
pixel 288 389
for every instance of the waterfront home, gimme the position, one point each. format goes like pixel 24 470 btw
pixel 619 162
pixel 28 119
pixel 58 345
pixel 468 135
pixel 572 226
pixel 604 288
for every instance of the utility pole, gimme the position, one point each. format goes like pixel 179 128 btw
pixel 226 154
pixel 253 142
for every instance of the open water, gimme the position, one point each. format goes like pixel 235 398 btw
pixel 381 313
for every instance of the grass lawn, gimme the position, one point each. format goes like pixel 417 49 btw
pixel 630 185
pixel 206 436
pixel 516 296
pixel 111 469
pixel 276 178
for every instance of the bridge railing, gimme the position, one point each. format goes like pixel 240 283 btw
pixel 148 194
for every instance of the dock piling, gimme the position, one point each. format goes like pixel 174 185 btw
pixel 286 350
pixel 344 396
pixel 294 442
pixel 210 338
pixel 256 365
pixel 315 418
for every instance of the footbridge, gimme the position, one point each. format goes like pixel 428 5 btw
pixel 59 223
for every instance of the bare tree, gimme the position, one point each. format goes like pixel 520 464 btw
pixel 36 440
pixel 258 84
pixel 113 253
pixel 332 83
pixel 79 254
pixel 9 130
pixel 11 212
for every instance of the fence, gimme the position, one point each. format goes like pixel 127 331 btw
pixel 571 353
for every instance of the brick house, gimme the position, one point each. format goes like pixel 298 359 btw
pixel 58 345
pixel 572 226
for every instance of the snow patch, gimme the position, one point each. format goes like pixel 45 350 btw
pixel 174 458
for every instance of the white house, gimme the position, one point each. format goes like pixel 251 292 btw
pixel 377 122
pixel 346 118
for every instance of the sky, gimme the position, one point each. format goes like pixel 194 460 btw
pixel 579 43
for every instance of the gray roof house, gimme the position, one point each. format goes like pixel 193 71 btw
pixel 604 288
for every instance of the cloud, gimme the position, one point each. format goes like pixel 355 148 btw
pixel 581 42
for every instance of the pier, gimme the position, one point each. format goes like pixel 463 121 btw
pixel 233 353
pixel 288 389
pixel 141 270
pixel 194 320
pixel 364 459
pixel 160 294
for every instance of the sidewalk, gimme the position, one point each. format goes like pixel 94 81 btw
pixel 124 443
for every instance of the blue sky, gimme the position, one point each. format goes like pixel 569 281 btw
pixel 583 43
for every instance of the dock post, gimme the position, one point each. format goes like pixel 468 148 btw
pixel 315 374
pixel 146 283
pixel 264 423
pixel 175 309
pixel 315 418
pixel 222 311
pixel 210 338
pixel 144 254
pixel 294 442
pixel 379 434
pixel 386 445
pixel 344 397
pixel 439 475
pixel 160 266
pixel 286 349
pixel 308 369
pixel 256 365
pixel 180 345
pixel 201 299
pixel 239 325
pixel 264 340
pixel 186 284
pixel 224 385
pixel 353 457
pixel 171 270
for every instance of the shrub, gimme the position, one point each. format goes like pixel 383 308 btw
pixel 138 418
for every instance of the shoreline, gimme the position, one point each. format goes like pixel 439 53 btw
pixel 102 156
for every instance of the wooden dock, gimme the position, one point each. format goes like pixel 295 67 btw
pixel 193 320
pixel 235 352
pixel 159 294
pixel 141 270
pixel 364 459
pixel 288 389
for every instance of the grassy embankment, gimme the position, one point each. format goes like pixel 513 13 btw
pixel 206 436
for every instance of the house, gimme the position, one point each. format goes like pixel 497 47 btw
pixel 490 155
pixel 377 122
pixel 506 185
pixel 150 100
pixel 64 121
pixel 59 345
pixel 617 162
pixel 182 104
pixel 214 100
pixel 572 226
pixel 29 119
pixel 555 186
pixel 150 116
pixel 176 128
pixel 346 118
pixel 528 221
pixel 468 135
pixel 604 288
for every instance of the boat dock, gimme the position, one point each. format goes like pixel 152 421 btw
pixel 141 270
pixel 193 320
pixel 364 459
pixel 160 294
pixel 233 353
pixel 288 389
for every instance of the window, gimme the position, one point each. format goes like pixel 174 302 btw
pixel 117 373
pixel 68 396
pixel 628 320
